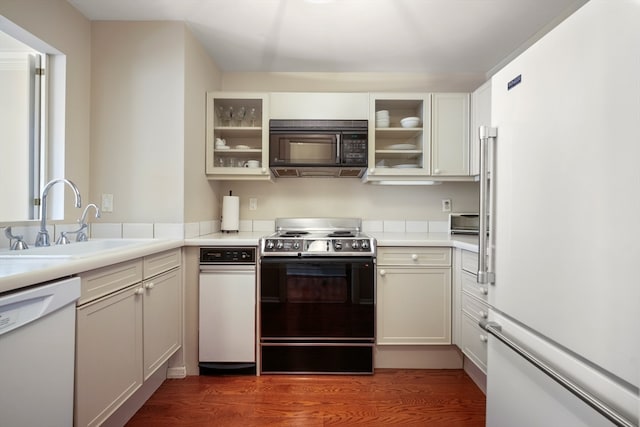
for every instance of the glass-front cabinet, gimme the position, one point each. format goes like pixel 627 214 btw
pixel 399 134
pixel 237 138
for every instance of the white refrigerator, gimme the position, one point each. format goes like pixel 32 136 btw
pixel 560 189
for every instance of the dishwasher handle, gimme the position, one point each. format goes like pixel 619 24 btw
pixel 224 268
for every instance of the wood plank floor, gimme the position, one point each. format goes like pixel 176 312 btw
pixel 390 397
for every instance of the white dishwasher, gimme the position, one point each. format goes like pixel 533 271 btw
pixel 227 310
pixel 37 347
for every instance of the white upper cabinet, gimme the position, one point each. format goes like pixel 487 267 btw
pixel 319 106
pixel 450 134
pixel 480 116
pixel 436 147
pixel 237 136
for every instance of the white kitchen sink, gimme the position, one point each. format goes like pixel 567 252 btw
pixel 73 250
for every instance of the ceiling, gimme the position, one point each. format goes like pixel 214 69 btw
pixel 423 36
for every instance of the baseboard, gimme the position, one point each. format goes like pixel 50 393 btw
pixel 417 357
pixel 476 374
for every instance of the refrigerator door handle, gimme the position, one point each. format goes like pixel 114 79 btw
pixel 611 414
pixel 487 184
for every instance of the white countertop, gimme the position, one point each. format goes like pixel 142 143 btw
pixel 21 271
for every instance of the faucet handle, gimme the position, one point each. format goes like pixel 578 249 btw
pixel 63 239
pixel 19 244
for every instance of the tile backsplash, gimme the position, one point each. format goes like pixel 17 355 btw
pixel 105 230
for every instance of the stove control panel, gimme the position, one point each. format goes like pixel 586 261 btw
pixel 283 246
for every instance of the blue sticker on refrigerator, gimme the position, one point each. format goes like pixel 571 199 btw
pixel 515 82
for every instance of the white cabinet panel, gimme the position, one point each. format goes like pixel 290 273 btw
pixel 480 116
pixel 319 105
pixel 413 306
pixel 450 134
pixel 109 354
pixel 162 321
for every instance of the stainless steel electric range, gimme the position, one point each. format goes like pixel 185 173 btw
pixel 317 297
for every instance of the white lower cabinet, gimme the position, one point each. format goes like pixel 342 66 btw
pixel 161 321
pixel 125 336
pixel 413 296
pixel 108 354
pixel 472 308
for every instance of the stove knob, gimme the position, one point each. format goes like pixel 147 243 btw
pixel 296 245
pixel 337 245
pixel 270 244
pixel 365 244
pixel 355 244
pixel 279 245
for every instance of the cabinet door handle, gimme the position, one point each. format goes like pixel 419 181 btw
pixel 482 314
pixel 436 171
pixel 483 338
pixel 484 291
pixel 140 291
pixel 149 285
pixel 383 272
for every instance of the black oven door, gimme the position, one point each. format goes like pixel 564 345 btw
pixel 304 149
pixel 317 299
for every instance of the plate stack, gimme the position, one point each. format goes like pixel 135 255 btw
pixel 382 119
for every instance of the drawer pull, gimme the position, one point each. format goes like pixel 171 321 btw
pixel 483 338
pixel 414 257
pixel 383 272
pixel 484 291
pixel 483 314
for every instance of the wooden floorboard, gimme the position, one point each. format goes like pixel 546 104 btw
pixel 390 397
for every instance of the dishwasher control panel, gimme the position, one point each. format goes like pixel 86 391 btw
pixel 228 255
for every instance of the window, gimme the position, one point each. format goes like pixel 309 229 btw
pixel 22 128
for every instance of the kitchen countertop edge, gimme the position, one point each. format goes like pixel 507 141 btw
pixel 251 238
pixel 75 266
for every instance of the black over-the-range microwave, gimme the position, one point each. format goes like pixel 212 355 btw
pixel 318 147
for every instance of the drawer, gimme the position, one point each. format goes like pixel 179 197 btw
pixel 103 281
pixel 470 262
pixel 474 307
pixel 471 285
pixel 474 342
pixel 406 256
pixel 161 262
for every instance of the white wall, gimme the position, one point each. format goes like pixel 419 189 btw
pixel 349 197
pixel 201 75
pixel 137 119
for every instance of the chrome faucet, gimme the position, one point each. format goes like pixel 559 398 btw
pixel 43 235
pixel 82 236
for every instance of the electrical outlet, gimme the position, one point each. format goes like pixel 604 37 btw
pixel 253 203
pixel 446 205
pixel 107 202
